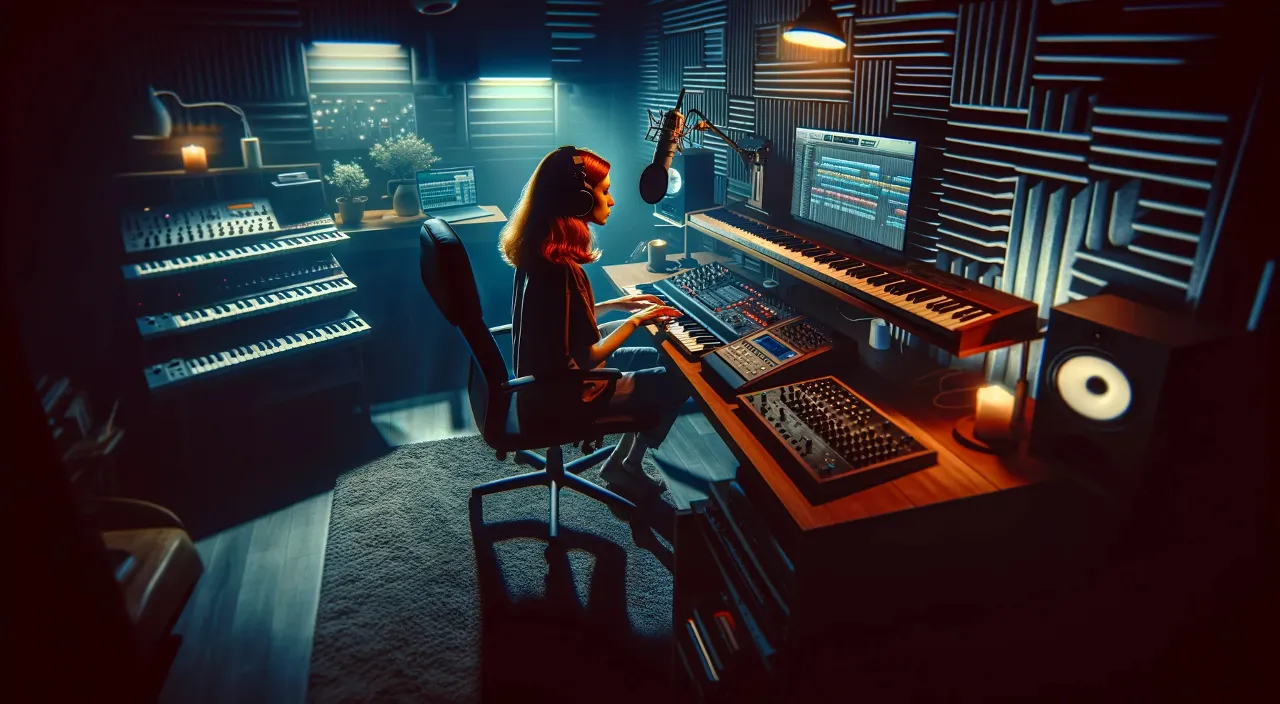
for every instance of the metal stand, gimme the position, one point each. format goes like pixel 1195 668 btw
pixel 687 261
pixel 555 474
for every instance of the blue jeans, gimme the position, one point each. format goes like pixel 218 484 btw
pixel 652 389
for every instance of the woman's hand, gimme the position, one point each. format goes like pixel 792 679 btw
pixel 655 312
pixel 633 303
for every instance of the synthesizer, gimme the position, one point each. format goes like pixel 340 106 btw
pixel 759 357
pixel 207 226
pixel 960 316
pixel 184 372
pixel 293 244
pixel 718 305
pixel 831 441
pixel 234 309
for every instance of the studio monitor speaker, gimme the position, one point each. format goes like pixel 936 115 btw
pixel 691 184
pixel 1138 399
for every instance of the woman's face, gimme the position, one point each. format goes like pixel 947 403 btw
pixel 604 202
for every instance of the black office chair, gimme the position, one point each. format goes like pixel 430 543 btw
pixel 447 275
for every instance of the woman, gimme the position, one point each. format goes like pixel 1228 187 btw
pixel 553 314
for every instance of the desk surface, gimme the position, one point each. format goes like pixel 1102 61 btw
pixel 960 472
pixel 375 220
pixel 627 276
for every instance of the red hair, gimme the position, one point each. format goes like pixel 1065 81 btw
pixel 535 228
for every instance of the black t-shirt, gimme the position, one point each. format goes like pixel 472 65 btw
pixel 553 327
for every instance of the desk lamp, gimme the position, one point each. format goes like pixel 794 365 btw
pixel 817 27
pixel 159 125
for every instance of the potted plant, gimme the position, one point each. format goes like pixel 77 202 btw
pixel 349 178
pixel 403 157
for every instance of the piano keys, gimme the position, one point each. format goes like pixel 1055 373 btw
pixel 719 307
pixel 184 372
pixel 235 309
pixel 960 316
pixel 161 268
pixel 691 337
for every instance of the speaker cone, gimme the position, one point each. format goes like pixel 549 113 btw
pixel 1093 387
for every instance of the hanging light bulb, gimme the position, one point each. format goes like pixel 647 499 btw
pixel 816 27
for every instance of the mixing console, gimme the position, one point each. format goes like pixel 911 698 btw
pixel 833 441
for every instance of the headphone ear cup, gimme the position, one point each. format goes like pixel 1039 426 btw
pixel 581 203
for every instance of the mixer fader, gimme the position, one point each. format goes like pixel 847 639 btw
pixel 830 440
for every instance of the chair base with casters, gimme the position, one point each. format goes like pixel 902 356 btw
pixel 555 474
pixel 492 392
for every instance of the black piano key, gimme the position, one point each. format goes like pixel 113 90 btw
pixel 973 314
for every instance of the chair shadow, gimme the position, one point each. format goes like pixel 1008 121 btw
pixel 554 647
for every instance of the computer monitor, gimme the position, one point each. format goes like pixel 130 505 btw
pixel 855 184
pixel 442 189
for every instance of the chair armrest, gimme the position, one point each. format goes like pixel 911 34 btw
pixel 112 513
pixel 604 374
pixel 501 330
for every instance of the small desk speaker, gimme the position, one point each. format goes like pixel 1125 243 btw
pixel 1128 392
pixel 691 184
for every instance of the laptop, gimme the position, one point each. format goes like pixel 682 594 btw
pixel 450 194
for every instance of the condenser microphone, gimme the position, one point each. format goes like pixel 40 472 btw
pixel 653 180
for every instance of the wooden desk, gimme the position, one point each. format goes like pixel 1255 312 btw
pixel 625 277
pixel 376 220
pixel 960 473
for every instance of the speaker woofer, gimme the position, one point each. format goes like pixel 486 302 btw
pixel 1093 386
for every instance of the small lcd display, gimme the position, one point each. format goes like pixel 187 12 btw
pixel 773 347
pixel 240 206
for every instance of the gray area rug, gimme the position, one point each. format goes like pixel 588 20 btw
pixel 431 596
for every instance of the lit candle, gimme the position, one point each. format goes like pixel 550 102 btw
pixel 658 256
pixel 194 158
pixel 994 416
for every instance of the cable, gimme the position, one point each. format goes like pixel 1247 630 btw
pixel 946 373
pixel 954 407
pixel 210 104
pixel 852 320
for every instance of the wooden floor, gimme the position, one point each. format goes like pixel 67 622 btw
pixel 248 629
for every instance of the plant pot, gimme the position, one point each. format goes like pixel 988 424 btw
pixel 404 197
pixel 351 210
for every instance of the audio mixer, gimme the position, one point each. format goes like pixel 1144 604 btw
pixel 718 305
pixel 831 441
pixel 756 358
pixel 206 226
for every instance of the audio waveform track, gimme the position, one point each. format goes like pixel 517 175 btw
pixel 859 197
pixel 858 185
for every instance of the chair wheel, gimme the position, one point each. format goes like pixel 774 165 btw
pixel 502 457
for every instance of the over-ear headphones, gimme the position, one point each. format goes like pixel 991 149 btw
pixel 573 197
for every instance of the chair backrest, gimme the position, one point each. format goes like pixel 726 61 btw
pixel 447 276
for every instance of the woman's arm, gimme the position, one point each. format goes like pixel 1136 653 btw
pixel 600 351
pixel 628 304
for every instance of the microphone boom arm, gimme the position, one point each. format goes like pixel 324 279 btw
pixel 749 156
